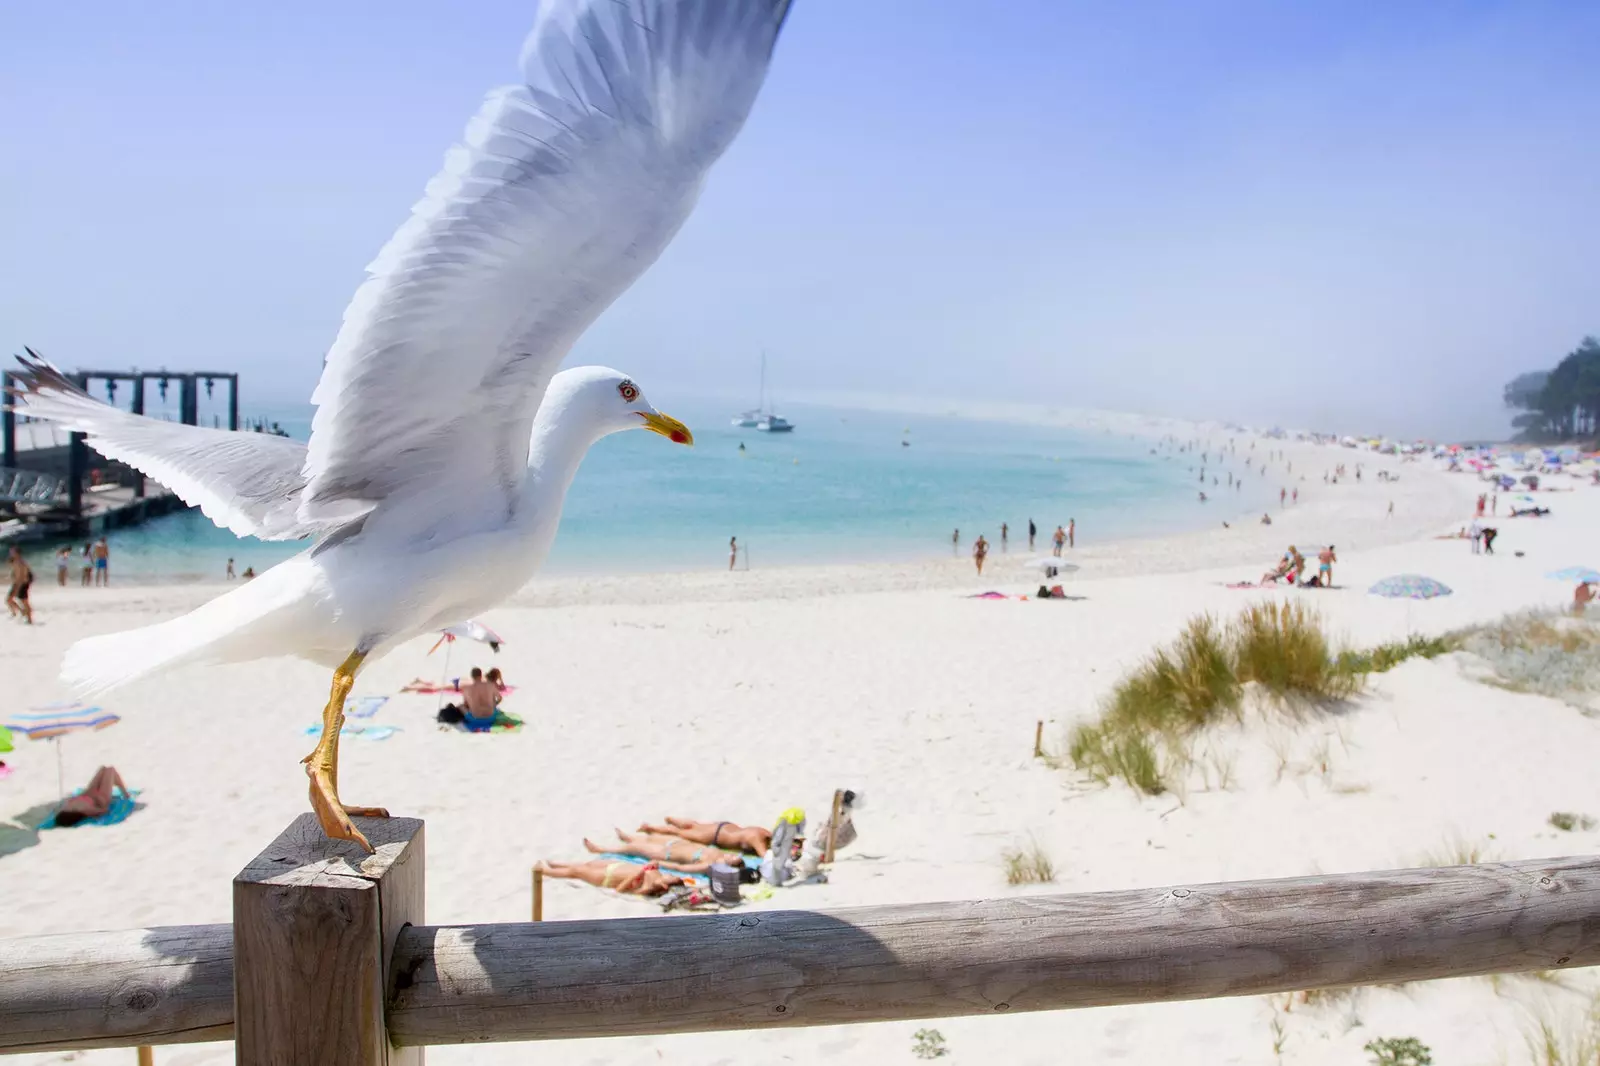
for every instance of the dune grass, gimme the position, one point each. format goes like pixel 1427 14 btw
pixel 1384 657
pixel 1539 651
pixel 1146 729
pixel 1567 821
pixel 1028 865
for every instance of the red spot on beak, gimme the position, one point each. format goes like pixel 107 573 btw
pixel 677 437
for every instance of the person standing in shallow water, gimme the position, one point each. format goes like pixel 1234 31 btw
pixel 1033 531
pixel 955 541
pixel 1072 532
pixel 1005 536
pixel 733 551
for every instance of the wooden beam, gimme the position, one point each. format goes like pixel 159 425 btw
pixel 137 986
pixel 315 922
pixel 549 980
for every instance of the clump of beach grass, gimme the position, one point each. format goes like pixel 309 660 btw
pixel 1567 821
pixel 1028 865
pixel 1567 1038
pixel 1282 648
pixel 1457 851
pixel 1385 657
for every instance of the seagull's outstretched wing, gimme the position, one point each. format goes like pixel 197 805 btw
pixel 566 188
pixel 249 483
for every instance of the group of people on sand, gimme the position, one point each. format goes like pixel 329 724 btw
pixel 1064 537
pixel 685 847
pixel 95 560
pixel 1292 568
pixel 481 695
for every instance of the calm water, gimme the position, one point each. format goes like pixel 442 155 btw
pixel 840 488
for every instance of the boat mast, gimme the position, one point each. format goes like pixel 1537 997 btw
pixel 762 396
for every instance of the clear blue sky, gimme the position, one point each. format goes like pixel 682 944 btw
pixel 1334 214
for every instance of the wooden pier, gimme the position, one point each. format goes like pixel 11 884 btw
pixel 62 488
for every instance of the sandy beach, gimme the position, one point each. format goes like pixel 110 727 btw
pixel 735 695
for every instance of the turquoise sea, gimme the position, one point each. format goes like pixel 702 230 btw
pixel 840 488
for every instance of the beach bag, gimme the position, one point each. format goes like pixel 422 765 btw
pixel 725 883
pixel 450 714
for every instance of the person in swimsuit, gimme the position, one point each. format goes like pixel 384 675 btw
pixel 63 564
pixel 93 801
pixel 676 852
pixel 21 578
pixel 1325 561
pixel 88 564
pixel 479 698
pixel 625 877
pixel 751 838
pixel 980 552
pixel 102 562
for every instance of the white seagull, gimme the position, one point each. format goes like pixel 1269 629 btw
pixel 444 440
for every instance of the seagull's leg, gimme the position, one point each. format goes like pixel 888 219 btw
pixel 322 765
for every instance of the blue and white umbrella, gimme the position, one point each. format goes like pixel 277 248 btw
pixel 56 720
pixel 1575 573
pixel 1409 587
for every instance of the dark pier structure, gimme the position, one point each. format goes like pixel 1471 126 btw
pixel 67 489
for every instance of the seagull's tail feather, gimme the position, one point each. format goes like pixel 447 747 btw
pixel 256 619
pixel 95 664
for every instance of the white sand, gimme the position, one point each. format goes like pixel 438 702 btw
pixel 733 696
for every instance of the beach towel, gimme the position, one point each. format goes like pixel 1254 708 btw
pixel 990 595
pixel 363 706
pixel 501 723
pixel 441 690
pixel 122 805
pixel 356 729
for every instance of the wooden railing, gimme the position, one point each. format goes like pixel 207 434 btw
pixel 327 959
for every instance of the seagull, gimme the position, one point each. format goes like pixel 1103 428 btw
pixel 444 440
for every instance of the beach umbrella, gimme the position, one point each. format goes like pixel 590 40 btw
pixel 56 720
pixel 1575 573
pixel 1409 587
pixel 469 631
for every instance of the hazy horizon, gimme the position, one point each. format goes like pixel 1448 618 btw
pixel 1230 210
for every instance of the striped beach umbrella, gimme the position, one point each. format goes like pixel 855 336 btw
pixel 1575 573
pixel 56 720
pixel 1409 587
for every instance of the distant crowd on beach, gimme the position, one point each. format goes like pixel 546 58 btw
pixel 1063 538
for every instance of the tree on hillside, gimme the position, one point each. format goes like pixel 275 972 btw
pixel 1559 404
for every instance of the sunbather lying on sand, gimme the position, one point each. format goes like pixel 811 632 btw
pixel 749 838
pixel 616 875
pixel 676 852
pixel 93 801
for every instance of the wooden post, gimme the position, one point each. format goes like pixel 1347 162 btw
pixel 1038 740
pixel 538 895
pixel 147 1056
pixel 833 824
pixel 314 927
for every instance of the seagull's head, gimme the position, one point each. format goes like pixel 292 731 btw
pixel 612 403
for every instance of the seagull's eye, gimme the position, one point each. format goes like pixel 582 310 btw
pixel 628 391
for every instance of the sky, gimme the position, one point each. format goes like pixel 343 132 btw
pixel 1324 215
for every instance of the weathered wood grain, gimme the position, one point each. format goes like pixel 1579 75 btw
pixel 462 984
pixel 534 981
pixel 309 922
pixel 137 986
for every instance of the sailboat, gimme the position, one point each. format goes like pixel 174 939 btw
pixel 760 418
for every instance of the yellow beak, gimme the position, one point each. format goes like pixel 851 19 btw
pixel 667 426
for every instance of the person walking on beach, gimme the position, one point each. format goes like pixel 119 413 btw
pixel 102 562
pixel 1060 540
pixel 1391 502
pixel 21 578
pixel 1072 532
pixel 63 563
pixel 1325 560
pixel 1005 536
pixel 230 569
pixel 980 552
pixel 88 565
pixel 1032 532
pixel 1282 493
pixel 733 551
